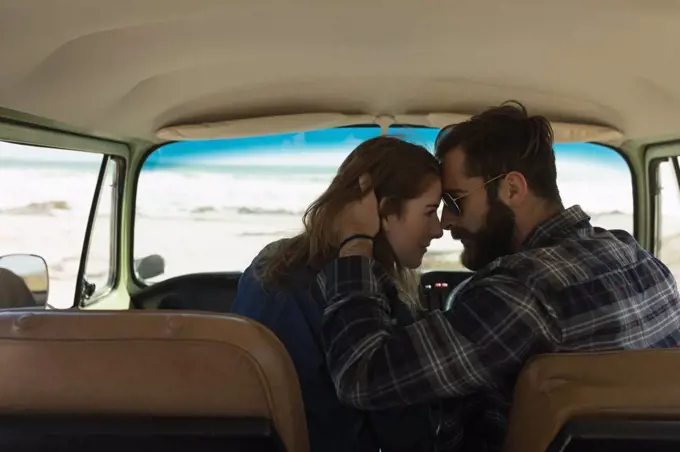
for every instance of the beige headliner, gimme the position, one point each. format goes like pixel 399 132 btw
pixel 130 67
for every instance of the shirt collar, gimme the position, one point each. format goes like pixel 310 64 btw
pixel 564 220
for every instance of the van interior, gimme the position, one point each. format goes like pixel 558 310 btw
pixel 149 149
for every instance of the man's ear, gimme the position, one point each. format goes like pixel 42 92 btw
pixel 513 189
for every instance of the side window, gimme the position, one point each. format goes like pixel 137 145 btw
pixel 599 179
pixel 45 200
pixel 99 269
pixel 668 232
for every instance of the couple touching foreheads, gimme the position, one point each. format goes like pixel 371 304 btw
pixel 377 371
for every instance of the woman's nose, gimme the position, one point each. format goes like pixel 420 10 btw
pixel 437 231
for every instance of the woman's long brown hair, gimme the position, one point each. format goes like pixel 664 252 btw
pixel 399 171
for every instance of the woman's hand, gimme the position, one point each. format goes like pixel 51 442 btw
pixel 361 216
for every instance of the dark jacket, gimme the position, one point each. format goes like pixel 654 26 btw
pixel 294 315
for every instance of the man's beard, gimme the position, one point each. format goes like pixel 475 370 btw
pixel 494 239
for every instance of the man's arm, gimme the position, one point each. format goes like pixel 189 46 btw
pixel 492 329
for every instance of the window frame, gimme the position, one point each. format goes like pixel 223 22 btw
pixel 137 170
pixel 136 173
pixel 22 133
pixel 115 230
pixel 655 154
pixel 634 181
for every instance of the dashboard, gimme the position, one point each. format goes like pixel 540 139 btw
pixel 215 292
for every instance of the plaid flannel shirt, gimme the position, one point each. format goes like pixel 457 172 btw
pixel 572 287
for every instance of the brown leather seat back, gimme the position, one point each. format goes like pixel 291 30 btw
pixel 151 364
pixel 556 388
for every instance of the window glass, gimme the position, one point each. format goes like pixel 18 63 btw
pixel 213 205
pixel 668 240
pixel 45 200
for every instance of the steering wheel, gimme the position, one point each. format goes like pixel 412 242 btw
pixel 448 304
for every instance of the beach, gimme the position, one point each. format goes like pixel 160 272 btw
pixel 197 245
pixel 217 218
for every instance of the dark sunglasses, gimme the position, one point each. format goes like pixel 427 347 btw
pixel 452 204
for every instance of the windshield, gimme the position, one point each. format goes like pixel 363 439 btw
pixel 209 206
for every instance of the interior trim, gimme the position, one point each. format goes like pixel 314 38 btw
pixel 565 132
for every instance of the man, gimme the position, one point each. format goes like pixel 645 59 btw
pixel 546 281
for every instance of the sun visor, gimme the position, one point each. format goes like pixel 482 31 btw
pixel 565 132
pixel 268 125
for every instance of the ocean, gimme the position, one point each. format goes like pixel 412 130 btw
pixel 215 215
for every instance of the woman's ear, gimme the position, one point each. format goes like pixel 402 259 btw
pixel 388 213
pixel 385 224
pixel 383 207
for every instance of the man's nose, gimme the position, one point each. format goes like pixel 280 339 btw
pixel 448 219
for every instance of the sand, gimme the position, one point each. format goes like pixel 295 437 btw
pixel 190 245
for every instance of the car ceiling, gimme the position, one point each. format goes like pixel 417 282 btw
pixel 131 67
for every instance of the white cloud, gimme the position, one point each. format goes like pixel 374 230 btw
pixel 23 152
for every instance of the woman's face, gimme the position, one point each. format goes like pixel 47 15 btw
pixel 410 233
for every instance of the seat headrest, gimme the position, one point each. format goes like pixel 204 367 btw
pixel 555 388
pixel 149 363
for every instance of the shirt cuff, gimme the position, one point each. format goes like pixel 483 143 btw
pixel 352 275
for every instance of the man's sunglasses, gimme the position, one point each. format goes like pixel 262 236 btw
pixel 452 204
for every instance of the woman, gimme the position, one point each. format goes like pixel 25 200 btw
pixel 279 289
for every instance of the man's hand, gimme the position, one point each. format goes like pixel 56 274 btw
pixel 361 216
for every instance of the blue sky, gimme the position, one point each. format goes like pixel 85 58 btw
pixel 328 148
pixel 324 148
